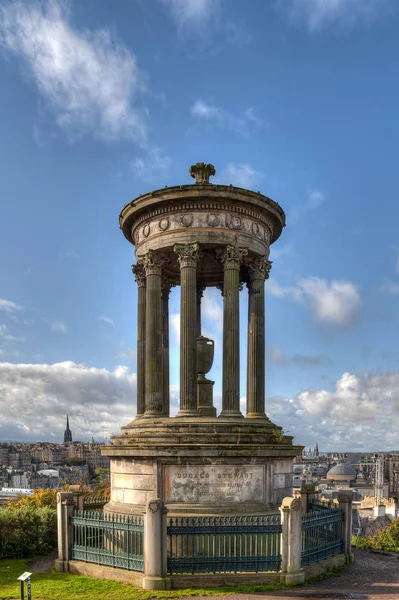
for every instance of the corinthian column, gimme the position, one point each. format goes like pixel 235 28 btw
pixel 139 274
pixel 188 256
pixel 152 264
pixel 231 259
pixel 258 271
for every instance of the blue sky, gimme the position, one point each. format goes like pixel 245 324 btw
pixel 102 101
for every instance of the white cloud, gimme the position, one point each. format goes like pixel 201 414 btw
pixel 314 199
pixel 34 399
pixel 151 166
pixel 193 15
pixel 246 124
pixel 89 81
pixel 106 320
pixel 174 324
pixel 7 336
pixel 240 175
pixel 58 327
pixel 357 415
pixel 331 302
pixel 321 14
pixel 9 307
pixel 212 308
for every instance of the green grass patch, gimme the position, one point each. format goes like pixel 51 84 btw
pixel 61 586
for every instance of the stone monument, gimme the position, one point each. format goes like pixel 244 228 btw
pixel 197 236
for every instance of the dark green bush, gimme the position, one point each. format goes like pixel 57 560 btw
pixel 27 531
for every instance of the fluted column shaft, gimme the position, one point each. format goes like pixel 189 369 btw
pixel 165 346
pixel 188 256
pixel 258 271
pixel 139 273
pixel 231 259
pixel 200 293
pixel 153 347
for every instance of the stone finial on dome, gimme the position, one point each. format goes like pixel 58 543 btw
pixel 201 172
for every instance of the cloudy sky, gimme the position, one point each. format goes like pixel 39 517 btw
pixel 102 101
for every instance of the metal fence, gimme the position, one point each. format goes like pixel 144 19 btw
pixel 95 502
pixel 322 534
pixel 108 539
pixel 224 544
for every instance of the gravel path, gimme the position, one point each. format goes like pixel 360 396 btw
pixel 371 577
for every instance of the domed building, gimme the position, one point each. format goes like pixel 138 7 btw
pixel 342 474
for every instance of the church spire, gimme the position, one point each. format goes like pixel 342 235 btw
pixel 67 432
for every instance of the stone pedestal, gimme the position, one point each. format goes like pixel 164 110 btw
pixel 202 466
pixel 205 397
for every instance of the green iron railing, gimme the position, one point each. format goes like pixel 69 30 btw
pixel 108 539
pixel 321 534
pixel 224 544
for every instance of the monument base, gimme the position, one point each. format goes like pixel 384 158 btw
pixel 207 466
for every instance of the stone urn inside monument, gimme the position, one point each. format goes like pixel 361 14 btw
pixel 205 354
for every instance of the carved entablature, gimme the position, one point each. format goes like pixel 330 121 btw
pixel 202 219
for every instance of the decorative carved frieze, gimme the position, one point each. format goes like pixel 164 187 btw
pixel 201 215
pixel 232 257
pixel 152 262
pixel 139 274
pixel 187 254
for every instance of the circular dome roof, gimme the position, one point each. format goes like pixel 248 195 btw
pixel 342 471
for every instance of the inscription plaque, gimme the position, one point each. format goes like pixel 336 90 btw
pixel 213 484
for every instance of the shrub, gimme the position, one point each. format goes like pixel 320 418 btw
pixel 27 531
pixel 385 539
pixel 39 498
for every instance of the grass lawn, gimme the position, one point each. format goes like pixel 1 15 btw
pixel 64 586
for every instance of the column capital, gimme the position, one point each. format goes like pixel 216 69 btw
pixel 139 274
pixel 152 262
pixel 259 268
pixel 232 257
pixel 187 254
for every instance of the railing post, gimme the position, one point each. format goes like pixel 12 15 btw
pixel 345 504
pixel 155 547
pixel 78 496
pixel 65 507
pixel 291 541
pixel 307 493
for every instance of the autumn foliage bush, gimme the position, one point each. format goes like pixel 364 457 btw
pixel 28 525
pixel 385 539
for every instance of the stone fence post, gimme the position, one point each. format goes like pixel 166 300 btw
pixel 65 507
pixel 291 541
pixel 155 547
pixel 307 495
pixel 78 496
pixel 345 504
